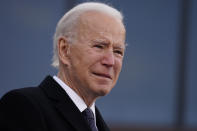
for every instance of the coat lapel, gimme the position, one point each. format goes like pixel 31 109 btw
pixel 73 116
pixel 64 104
pixel 100 122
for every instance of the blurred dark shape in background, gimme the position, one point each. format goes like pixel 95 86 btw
pixel 157 87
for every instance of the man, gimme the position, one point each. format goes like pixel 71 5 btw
pixel 88 53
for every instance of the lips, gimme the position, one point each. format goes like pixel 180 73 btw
pixel 104 75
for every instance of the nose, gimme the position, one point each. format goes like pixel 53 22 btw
pixel 108 59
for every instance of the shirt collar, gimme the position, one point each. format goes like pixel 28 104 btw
pixel 78 101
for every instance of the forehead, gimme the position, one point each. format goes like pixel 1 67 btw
pixel 93 24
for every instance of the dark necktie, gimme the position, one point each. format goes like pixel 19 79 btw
pixel 89 117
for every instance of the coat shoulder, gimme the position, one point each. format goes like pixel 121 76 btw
pixel 29 93
pixel 17 106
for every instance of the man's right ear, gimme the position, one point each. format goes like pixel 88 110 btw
pixel 63 50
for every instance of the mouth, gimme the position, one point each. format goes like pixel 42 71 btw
pixel 104 75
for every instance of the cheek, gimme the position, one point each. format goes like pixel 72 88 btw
pixel 93 57
pixel 82 57
pixel 118 66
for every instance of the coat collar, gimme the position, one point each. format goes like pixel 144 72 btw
pixel 100 122
pixel 64 104
pixel 67 108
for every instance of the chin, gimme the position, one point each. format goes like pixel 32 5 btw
pixel 102 91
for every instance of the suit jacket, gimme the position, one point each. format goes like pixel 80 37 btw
pixel 43 108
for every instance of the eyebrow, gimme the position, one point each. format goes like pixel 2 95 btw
pixel 120 47
pixel 117 46
pixel 104 41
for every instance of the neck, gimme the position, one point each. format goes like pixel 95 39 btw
pixel 88 98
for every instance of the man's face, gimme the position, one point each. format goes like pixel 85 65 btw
pixel 95 59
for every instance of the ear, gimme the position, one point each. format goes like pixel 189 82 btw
pixel 63 50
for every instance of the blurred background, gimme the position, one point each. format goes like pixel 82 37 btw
pixel 157 89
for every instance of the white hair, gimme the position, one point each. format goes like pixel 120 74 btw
pixel 67 24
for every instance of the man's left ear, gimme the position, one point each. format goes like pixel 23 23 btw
pixel 63 50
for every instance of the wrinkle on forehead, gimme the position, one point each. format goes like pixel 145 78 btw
pixel 107 21
pixel 104 26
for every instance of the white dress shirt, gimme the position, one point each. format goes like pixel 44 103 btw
pixel 78 101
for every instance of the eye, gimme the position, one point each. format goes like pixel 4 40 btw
pixel 119 52
pixel 99 46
